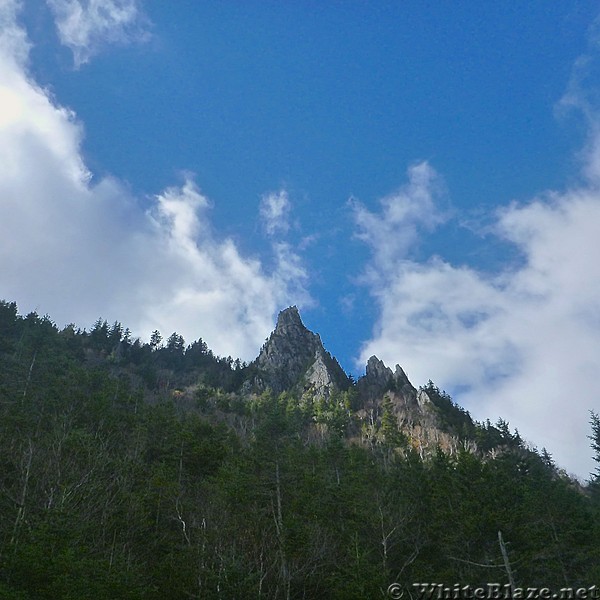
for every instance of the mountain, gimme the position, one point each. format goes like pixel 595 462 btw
pixel 293 358
pixel 151 471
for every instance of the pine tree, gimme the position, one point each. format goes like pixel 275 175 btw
pixel 155 339
pixel 595 437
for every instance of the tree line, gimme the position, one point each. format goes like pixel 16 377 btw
pixel 139 471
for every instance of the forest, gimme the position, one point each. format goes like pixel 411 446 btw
pixel 145 471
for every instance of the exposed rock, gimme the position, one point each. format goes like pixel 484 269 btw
pixel 318 378
pixel 400 377
pixel 294 359
pixel 423 400
pixel 294 356
pixel 414 411
pixel 379 379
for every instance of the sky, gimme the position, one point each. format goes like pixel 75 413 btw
pixel 422 179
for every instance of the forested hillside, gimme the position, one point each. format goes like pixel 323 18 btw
pixel 157 471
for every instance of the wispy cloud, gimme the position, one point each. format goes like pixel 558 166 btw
pixel 78 250
pixel 14 44
pixel 274 212
pixel 86 26
pixel 393 231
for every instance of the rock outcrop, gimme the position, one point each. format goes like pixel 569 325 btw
pixel 294 357
pixel 415 413
pixel 379 379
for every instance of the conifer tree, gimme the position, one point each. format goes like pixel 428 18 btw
pixel 155 340
pixel 595 438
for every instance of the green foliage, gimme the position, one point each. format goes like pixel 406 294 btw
pixel 455 418
pixel 113 487
pixel 595 438
pixel 392 436
pixel 333 412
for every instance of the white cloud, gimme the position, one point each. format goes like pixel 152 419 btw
pixel 14 45
pixel 274 212
pixel 86 26
pixel 524 344
pixel 78 251
pixel 291 273
pixel 395 230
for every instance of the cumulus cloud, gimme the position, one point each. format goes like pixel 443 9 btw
pixel 523 344
pixel 86 26
pixel 274 212
pixel 78 250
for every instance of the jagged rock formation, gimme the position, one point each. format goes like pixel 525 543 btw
pixel 415 413
pixel 379 379
pixel 294 357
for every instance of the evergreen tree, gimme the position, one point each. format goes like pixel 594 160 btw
pixel 176 343
pixel 110 487
pixel 595 438
pixel 155 340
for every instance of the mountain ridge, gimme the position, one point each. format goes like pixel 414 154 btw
pixel 292 361
pixel 145 471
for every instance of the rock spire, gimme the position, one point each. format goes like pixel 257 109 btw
pixel 294 356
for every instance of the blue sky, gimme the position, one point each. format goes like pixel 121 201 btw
pixel 420 178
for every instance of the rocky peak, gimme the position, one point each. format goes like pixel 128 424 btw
pixel 414 411
pixel 377 372
pixel 294 355
pixel 401 378
pixel 289 322
pixel 378 379
pixel 290 346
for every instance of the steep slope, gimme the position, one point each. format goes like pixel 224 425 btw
pixel 414 412
pixel 294 357
pixel 121 479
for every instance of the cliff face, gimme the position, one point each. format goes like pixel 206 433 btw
pixel 378 379
pixel 409 404
pixel 295 357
